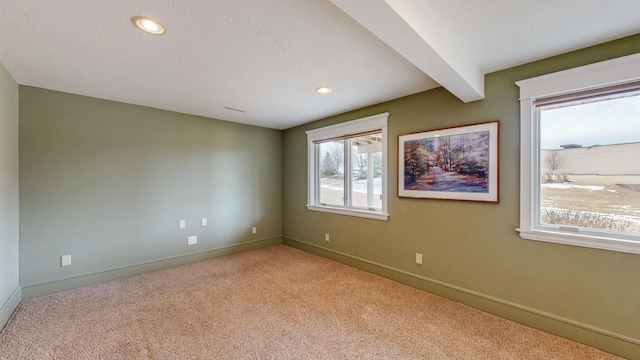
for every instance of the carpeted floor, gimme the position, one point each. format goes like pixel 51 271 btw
pixel 272 303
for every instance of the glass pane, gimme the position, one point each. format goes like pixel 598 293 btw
pixel 366 171
pixel 590 165
pixel 331 173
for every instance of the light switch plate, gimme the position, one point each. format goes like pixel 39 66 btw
pixel 182 224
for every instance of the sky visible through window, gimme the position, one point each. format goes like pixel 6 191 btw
pixel 616 121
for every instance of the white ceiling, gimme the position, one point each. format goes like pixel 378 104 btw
pixel 266 57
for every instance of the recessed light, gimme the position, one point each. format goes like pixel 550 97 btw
pixel 148 25
pixel 324 90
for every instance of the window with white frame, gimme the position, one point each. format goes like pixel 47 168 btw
pixel 580 156
pixel 347 168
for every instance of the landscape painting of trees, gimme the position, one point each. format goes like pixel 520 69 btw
pixel 453 163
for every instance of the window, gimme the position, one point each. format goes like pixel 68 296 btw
pixel 347 168
pixel 580 156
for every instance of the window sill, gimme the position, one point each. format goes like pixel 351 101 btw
pixel 349 212
pixel 583 240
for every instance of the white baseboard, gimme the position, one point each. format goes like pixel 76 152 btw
pixel 10 306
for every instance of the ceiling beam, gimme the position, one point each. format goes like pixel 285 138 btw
pixel 414 30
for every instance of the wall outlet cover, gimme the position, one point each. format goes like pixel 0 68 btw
pixel 192 240
pixel 65 260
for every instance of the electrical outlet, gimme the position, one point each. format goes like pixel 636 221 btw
pixel 65 260
pixel 204 222
pixel 182 224
pixel 192 240
pixel 254 230
pixel 419 258
pixel 326 237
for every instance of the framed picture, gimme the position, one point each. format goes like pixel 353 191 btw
pixel 458 163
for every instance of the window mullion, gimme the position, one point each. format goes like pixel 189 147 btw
pixel 536 187
pixel 348 203
pixel 316 180
pixel 370 173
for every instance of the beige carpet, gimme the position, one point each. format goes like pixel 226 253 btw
pixel 272 303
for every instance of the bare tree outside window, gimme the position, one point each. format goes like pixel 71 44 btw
pixel 554 161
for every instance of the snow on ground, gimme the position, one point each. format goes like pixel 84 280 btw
pixel 357 185
pixel 631 212
pixel 572 186
pixel 625 208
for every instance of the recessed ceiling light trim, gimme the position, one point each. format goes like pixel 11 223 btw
pixel 149 25
pixel 324 90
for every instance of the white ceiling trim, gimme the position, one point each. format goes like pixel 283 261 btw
pixel 414 30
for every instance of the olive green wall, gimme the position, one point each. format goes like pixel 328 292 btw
pixel 471 251
pixel 108 182
pixel 9 214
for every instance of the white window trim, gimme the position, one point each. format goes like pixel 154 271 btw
pixel 606 73
pixel 375 122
